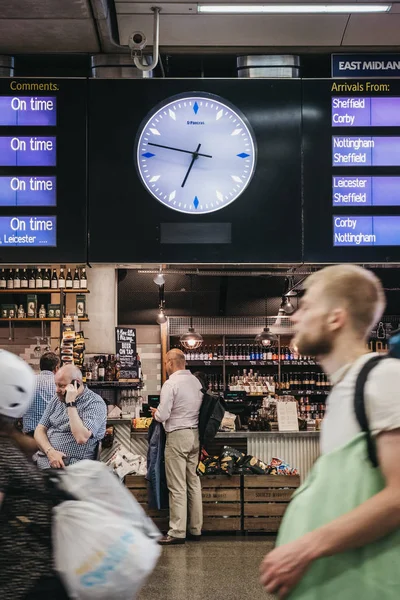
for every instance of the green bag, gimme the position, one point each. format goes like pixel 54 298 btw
pixel 339 482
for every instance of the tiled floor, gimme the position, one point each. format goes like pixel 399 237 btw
pixel 217 568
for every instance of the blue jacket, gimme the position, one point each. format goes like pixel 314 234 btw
pixel 157 482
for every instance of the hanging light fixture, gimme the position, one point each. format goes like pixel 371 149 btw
pixel 266 338
pixel 287 306
pixel 191 340
pixel 159 279
pixel 161 317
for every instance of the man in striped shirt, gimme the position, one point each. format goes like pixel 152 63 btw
pixel 45 390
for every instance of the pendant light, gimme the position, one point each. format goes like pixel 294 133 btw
pixel 191 340
pixel 266 338
pixel 161 316
pixel 287 306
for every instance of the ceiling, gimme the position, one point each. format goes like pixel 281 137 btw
pixel 93 26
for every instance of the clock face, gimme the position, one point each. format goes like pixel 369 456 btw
pixel 196 153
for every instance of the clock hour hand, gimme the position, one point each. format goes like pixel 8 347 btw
pixel 178 149
pixel 194 158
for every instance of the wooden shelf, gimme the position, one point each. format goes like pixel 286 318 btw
pixel 36 320
pixel 41 291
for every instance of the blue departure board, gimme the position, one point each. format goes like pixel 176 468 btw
pixel 28 231
pixel 351 171
pixel 28 110
pixel 43 215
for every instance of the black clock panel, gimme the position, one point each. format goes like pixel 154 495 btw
pixel 139 169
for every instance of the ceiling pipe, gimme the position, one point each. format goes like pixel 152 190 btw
pixel 137 54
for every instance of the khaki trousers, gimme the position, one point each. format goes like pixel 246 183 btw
pixel 181 459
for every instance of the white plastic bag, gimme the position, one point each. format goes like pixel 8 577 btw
pixel 100 556
pixel 93 481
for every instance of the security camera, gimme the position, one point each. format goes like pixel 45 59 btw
pixel 137 40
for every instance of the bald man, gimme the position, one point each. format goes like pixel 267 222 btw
pixel 72 424
pixel 179 408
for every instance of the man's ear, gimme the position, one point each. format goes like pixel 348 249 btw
pixel 337 318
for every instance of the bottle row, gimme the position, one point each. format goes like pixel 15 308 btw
pixel 106 368
pixel 39 279
pixel 244 352
pixel 304 381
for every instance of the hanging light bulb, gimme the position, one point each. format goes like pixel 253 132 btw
pixel 266 338
pixel 287 306
pixel 191 340
pixel 161 317
pixel 159 279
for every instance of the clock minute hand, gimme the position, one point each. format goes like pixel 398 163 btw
pixel 178 150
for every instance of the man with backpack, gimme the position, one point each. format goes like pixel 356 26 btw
pixel 181 399
pixel 340 537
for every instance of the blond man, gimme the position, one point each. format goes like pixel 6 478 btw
pixel 346 536
pixel 179 408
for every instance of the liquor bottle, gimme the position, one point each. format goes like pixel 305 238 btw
pixel 102 367
pixel 269 354
pixel 235 352
pixel 21 312
pixel 110 369
pixel 282 353
pixel 3 280
pixel 210 353
pixel 227 355
pixel 61 280
pixel 88 372
pixel 54 280
pixel 24 279
pixel 312 381
pixel 76 282
pixel 42 312
pixel 17 280
pixel 307 381
pixel 117 368
pixel 39 280
pixel 46 279
pixel 287 354
pixel 83 279
pixel 95 369
pixel 10 280
pixel 220 352
pixel 32 280
pixel 215 353
pixel 68 281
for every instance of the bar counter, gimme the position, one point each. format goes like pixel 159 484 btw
pixel 298 448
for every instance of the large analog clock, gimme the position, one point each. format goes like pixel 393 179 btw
pixel 196 153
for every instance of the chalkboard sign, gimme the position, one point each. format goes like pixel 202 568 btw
pixel 125 342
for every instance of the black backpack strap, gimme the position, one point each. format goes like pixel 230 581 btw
pixel 359 406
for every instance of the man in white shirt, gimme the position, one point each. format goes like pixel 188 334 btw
pixel 334 321
pixel 179 408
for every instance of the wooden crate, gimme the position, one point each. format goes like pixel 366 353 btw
pixel 221 502
pixel 137 485
pixel 265 499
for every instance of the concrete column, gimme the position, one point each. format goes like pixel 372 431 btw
pixel 102 309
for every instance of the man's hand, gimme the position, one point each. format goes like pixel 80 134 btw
pixel 56 459
pixel 72 392
pixel 153 411
pixel 283 568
